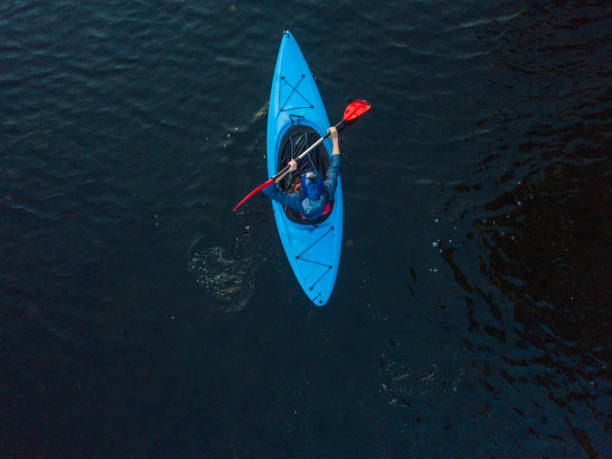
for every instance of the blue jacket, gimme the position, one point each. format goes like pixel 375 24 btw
pixel 296 199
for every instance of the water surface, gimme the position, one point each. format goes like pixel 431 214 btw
pixel 471 314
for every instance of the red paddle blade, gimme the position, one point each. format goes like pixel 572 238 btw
pixel 355 109
pixel 256 190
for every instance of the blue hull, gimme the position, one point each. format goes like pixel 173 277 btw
pixel 313 251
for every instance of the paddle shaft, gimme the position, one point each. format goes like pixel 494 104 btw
pixel 285 170
pixel 353 111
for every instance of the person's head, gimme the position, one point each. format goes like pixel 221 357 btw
pixel 312 184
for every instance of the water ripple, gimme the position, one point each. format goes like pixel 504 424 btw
pixel 129 130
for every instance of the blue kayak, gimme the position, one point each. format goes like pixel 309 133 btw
pixel 313 249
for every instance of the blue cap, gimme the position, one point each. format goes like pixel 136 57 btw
pixel 312 184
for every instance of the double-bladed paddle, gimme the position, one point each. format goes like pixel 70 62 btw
pixel 353 111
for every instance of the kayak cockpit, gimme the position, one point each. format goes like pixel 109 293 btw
pixel 296 140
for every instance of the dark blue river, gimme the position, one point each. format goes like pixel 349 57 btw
pixel 141 317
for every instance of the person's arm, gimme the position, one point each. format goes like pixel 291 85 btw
pixel 333 171
pixel 333 135
pixel 286 199
pixel 291 200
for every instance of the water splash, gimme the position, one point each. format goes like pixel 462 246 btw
pixel 263 111
pixel 226 275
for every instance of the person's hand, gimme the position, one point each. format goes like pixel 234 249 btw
pixel 292 165
pixel 333 133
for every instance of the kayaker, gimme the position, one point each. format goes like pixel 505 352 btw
pixel 314 193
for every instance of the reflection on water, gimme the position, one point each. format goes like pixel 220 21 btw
pixel 226 275
pixel 473 303
pixel 542 247
pixel 228 279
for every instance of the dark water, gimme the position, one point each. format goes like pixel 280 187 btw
pixel 141 317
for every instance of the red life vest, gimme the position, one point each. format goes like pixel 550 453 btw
pixel 326 208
